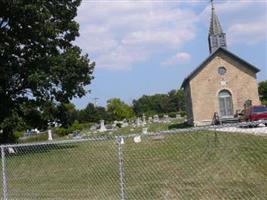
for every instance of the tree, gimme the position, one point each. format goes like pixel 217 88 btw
pixel 119 110
pixel 66 114
pixel 39 63
pixel 34 117
pixel 263 92
pixel 93 113
pixel 180 100
pixel 160 103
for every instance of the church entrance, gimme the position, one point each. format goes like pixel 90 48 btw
pixel 226 104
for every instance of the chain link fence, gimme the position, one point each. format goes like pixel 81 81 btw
pixel 212 162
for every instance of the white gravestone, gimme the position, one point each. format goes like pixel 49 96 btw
pixel 102 126
pixel 155 118
pixel 178 116
pixel 50 138
pixel 121 140
pixel 124 124
pixel 137 139
pixel 11 150
pixel 138 122
pixel 166 118
pixel 144 131
pixel 144 119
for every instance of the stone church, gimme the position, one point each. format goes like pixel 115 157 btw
pixel 221 84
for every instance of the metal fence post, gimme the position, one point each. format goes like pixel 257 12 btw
pixel 120 141
pixel 5 189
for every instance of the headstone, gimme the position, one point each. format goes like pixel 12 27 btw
pixel 36 131
pixel 166 119
pixel 50 138
pixel 114 125
pixel 137 139
pixel 120 140
pixel 144 131
pixel 150 120
pixel 155 118
pixel 178 116
pixel 124 124
pixel 102 126
pixel 109 127
pixel 11 150
pixel 144 119
pixel 138 122
pixel 93 127
pixel 77 135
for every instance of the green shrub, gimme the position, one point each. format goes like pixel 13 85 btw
pixel 62 131
pixel 172 114
pixel 76 126
pixel 18 134
pixel 160 115
pixel 36 138
pixel 182 113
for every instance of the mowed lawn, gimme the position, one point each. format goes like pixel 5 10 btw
pixel 201 165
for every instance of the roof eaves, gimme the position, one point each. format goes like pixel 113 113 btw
pixel 197 69
pixel 210 57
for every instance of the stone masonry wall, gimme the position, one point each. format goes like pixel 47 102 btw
pixel 205 87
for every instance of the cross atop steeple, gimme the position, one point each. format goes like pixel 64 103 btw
pixel 216 35
pixel 212 5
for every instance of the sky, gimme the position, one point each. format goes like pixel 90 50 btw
pixel 146 47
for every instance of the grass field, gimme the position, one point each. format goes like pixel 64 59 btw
pixel 180 166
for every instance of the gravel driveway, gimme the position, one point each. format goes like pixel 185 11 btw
pixel 260 130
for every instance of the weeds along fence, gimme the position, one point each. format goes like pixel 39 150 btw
pixel 212 162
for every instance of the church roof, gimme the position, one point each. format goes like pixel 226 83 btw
pixel 215 26
pixel 223 50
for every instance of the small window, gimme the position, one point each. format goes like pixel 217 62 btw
pixel 221 70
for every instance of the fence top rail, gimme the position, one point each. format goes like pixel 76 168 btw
pixel 58 142
pixel 115 138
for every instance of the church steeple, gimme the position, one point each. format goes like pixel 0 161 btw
pixel 217 37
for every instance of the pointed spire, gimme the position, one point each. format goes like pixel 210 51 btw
pixel 216 35
pixel 215 26
pixel 212 4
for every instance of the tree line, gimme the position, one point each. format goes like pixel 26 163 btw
pixel 116 109
pixel 66 114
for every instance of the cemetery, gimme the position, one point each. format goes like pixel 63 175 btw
pixel 179 163
pixel 143 124
pixel 184 165
pixel 147 141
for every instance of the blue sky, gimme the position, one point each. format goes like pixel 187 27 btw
pixel 149 46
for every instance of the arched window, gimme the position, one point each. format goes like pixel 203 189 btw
pixel 226 104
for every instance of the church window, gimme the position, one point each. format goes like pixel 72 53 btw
pixel 225 103
pixel 221 70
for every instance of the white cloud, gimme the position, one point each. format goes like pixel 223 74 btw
pixel 249 33
pixel 179 58
pixel 122 58
pixel 166 37
pixel 120 34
